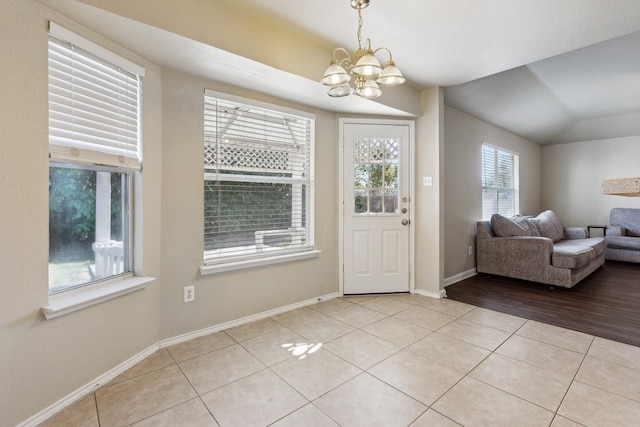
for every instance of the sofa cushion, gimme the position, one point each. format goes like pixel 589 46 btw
pixel 507 227
pixel 623 242
pixel 571 256
pixel 549 225
pixel 595 243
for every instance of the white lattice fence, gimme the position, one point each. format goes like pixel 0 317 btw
pixel 250 157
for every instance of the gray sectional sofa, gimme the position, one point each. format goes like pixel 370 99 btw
pixel 539 249
pixel 623 235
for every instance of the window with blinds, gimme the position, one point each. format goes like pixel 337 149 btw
pixel 500 182
pixel 258 180
pixel 94 140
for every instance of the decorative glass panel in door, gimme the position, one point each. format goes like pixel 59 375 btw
pixel 375 175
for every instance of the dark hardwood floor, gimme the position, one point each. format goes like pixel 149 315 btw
pixel 605 304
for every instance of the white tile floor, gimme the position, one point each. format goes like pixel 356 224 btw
pixel 395 360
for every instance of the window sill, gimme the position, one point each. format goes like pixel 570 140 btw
pixel 77 299
pixel 239 265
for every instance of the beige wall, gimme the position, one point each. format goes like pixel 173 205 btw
pixel 230 27
pixel 43 361
pixel 573 173
pixel 464 135
pixel 428 227
pixel 229 296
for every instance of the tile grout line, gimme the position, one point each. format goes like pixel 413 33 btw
pixel 607 361
pixel 514 333
pixel 198 395
pixel 564 396
pixel 95 401
pixel 464 375
pixel 471 370
pixel 365 371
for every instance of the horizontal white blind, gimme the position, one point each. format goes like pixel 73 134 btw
pixel 500 171
pixel 94 109
pixel 258 166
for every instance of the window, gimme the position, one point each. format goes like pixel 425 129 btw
pixel 500 182
pixel 94 133
pixel 258 180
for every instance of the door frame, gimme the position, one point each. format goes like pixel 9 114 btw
pixel 411 163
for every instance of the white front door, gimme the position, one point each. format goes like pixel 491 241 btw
pixel 376 193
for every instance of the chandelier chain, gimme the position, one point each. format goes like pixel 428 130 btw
pixel 359 28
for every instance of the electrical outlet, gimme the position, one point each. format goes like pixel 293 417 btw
pixel 470 250
pixel 189 293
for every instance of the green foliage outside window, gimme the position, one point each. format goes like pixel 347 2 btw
pixel 72 211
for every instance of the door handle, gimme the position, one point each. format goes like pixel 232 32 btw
pixel 405 222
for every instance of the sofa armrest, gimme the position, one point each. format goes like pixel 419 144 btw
pixel 521 256
pixel 572 233
pixel 614 230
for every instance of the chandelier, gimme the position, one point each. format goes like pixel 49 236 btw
pixel 364 67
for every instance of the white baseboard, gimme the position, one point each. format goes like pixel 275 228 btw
pixel 216 328
pixel 459 277
pixel 103 379
pixel 439 294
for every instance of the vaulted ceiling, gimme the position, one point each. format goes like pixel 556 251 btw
pixel 551 71
pixel 587 94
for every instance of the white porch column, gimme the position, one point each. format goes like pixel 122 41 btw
pixel 103 217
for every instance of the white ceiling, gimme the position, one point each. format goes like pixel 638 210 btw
pixel 444 42
pixel 548 70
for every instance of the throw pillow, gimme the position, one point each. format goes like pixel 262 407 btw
pixel 506 227
pixel 549 225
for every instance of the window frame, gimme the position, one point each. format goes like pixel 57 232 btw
pixel 514 189
pixel 120 160
pixel 127 232
pixel 215 261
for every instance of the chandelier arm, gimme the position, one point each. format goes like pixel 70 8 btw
pixel 345 62
pixel 384 48
pixel 340 49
